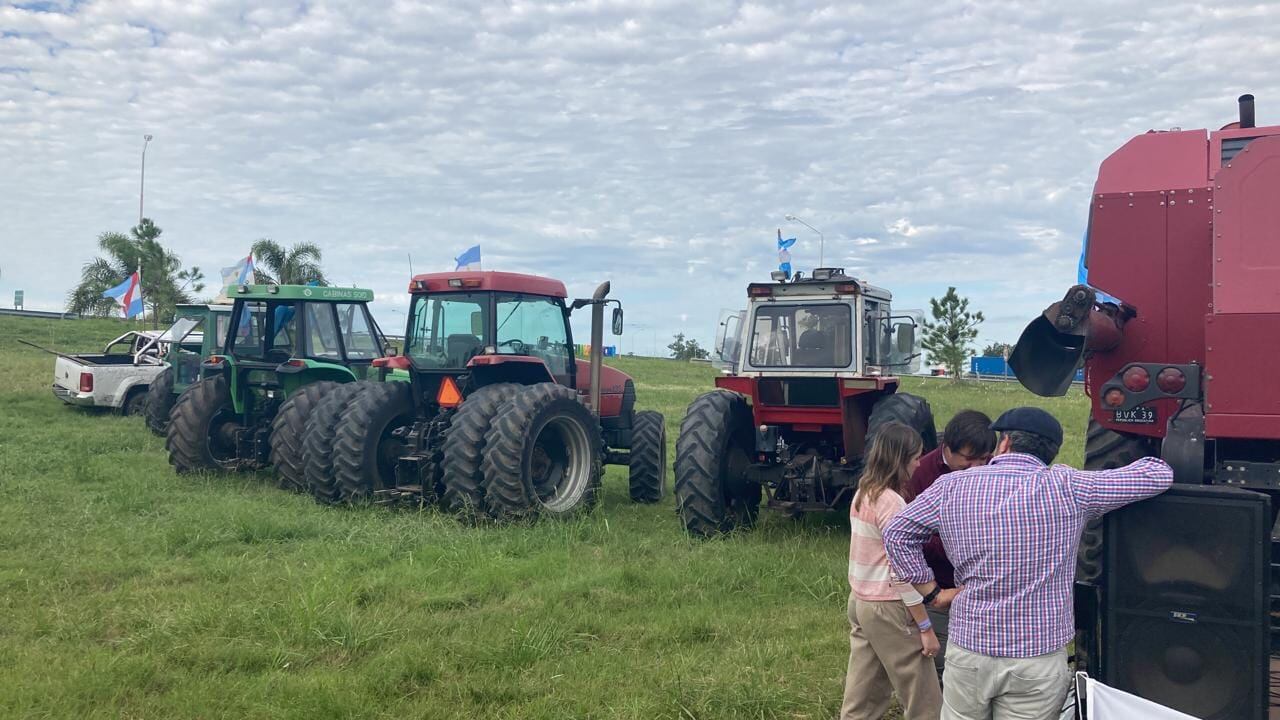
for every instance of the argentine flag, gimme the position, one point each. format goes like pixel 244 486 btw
pixel 784 253
pixel 469 260
pixel 239 274
pixel 128 294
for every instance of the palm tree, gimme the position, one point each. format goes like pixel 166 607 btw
pixel 296 265
pixel 164 282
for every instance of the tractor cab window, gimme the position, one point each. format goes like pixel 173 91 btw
pixel 263 331
pixel 322 333
pixel 802 336
pixel 535 326
pixel 447 330
pixel 357 332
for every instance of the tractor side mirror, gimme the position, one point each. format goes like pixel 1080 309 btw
pixel 617 321
pixel 906 338
pixel 477 323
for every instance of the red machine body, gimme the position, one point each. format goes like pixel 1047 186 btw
pixel 1183 230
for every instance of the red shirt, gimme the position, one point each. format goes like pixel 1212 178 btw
pixel 931 468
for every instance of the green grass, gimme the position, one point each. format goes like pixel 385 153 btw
pixel 128 592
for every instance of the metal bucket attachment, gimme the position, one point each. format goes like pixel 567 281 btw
pixel 1053 346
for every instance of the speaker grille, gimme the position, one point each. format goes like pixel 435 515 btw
pixel 1186 612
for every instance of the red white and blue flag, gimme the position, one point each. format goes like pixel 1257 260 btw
pixel 128 294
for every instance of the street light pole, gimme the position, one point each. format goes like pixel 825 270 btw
pixel 821 238
pixel 142 178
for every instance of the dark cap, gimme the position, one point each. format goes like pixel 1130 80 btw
pixel 1031 420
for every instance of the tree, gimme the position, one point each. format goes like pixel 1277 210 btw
pixel 164 282
pixel 997 349
pixel 296 265
pixel 682 349
pixel 947 339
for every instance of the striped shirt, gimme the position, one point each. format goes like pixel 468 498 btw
pixel 869 575
pixel 1011 529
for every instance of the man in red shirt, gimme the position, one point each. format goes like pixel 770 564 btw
pixel 967 441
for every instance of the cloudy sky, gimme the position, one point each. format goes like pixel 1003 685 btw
pixel 653 143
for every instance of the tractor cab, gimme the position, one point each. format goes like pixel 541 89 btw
pixel 282 337
pixel 824 324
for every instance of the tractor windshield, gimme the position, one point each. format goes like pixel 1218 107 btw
pixel 802 336
pixel 263 331
pixel 534 325
pixel 447 330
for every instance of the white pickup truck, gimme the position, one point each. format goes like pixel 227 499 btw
pixel 120 375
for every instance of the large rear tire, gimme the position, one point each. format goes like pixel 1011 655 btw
pixel 542 455
pixel 464 445
pixel 648 459
pixel 713 495
pixel 288 429
pixel 160 400
pixel 366 445
pixel 910 410
pixel 1104 450
pixel 195 437
pixel 317 443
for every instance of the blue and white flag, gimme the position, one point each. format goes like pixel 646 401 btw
pixel 239 274
pixel 784 253
pixel 128 294
pixel 469 260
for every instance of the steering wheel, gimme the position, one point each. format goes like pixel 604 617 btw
pixel 517 346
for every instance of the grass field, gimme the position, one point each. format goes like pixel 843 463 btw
pixel 128 592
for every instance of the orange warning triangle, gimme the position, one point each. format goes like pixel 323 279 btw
pixel 448 396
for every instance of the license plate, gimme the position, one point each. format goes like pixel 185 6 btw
pixel 1140 415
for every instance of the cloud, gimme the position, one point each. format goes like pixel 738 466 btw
pixel 943 143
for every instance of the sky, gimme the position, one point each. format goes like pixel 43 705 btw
pixel 658 145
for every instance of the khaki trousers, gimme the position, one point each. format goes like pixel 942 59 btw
pixel 980 687
pixel 884 656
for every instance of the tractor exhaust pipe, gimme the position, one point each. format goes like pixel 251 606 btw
pixel 1246 111
pixel 1053 345
pixel 597 342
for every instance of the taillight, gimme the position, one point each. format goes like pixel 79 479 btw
pixel 846 289
pixel 296 363
pixel 1137 379
pixel 215 360
pixel 1114 397
pixel 759 291
pixel 1171 380
pixel 448 395
pixel 86 382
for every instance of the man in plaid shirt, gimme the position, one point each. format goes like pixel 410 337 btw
pixel 1011 529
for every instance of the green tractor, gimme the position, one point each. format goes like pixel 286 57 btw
pixel 284 348
pixel 210 322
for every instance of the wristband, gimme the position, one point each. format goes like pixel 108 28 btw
pixel 928 599
pixel 925 626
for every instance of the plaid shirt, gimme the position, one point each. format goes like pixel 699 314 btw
pixel 1011 529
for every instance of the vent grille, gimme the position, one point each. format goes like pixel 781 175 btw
pixel 1232 146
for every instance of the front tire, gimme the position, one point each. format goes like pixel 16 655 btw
pixel 160 400
pixel 712 455
pixel 365 447
pixel 198 436
pixel 542 455
pixel 648 459
pixel 287 430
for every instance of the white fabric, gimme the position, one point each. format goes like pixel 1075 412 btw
pixel 1107 703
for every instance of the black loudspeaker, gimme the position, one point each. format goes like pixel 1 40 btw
pixel 1185 601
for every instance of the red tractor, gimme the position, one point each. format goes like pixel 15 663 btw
pixel 1174 329
pixel 808 380
pixel 498 417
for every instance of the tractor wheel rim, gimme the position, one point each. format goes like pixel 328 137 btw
pixel 566 470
